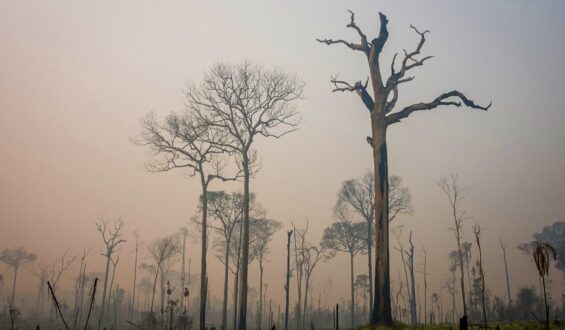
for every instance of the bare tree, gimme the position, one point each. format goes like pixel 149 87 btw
pixel 450 285
pixel 346 236
pixel 467 255
pixel 227 210
pixel 477 232
pixel 114 266
pixel 503 247
pixel 184 233
pixel 307 257
pixel 358 195
pixel 80 281
pixel 245 102
pixel 424 271
pixel 133 295
pixel 160 251
pixel 381 105
pixel 183 141
pixel 299 239
pixel 16 258
pixel 42 272
pixel 287 282
pixel 455 193
pixel 112 238
pixel 266 228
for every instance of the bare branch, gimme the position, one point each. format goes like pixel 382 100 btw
pixel 443 99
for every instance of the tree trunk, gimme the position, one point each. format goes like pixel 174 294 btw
pixel 507 279
pixel 462 272
pixel 236 279
pixel 13 297
pixel 245 255
pixel 153 297
pixel 370 257
pixel 203 272
pixel 132 309
pixel 226 278
pixel 545 304
pixel 287 284
pixel 306 286
pixel 352 293
pixel 382 313
pixel 260 312
pixel 413 306
pixel 103 305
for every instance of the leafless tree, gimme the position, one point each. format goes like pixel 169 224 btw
pixel 467 255
pixel 358 196
pixel 455 193
pixel 183 234
pixel 503 246
pixel 346 236
pixel 16 258
pixel 80 282
pixel 477 232
pixel 114 266
pixel 226 209
pixel 287 282
pixel 407 257
pixel 266 228
pixel 381 105
pixel 58 268
pixel 182 141
pixel 112 238
pixel 245 102
pixel 160 251
pixel 424 271
pixel 136 251
pixel 299 239
pixel 450 284
pixel 307 257
pixel 42 272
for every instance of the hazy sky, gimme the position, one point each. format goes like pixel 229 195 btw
pixel 76 77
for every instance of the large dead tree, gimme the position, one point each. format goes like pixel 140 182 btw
pixel 380 99
pixel 246 102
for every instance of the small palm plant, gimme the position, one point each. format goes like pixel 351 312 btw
pixel 542 254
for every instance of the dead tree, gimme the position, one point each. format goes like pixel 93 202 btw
pixel 227 211
pixel 266 228
pixel 136 250
pixel 41 271
pixel 346 236
pixel 184 233
pixel 313 254
pixel 455 193
pixel 503 247
pixel 424 271
pixel 380 105
pixel 299 239
pixel 182 141
pixel 246 102
pixel 287 282
pixel 358 195
pixel 112 237
pixel 160 251
pixel 477 232
pixel 80 280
